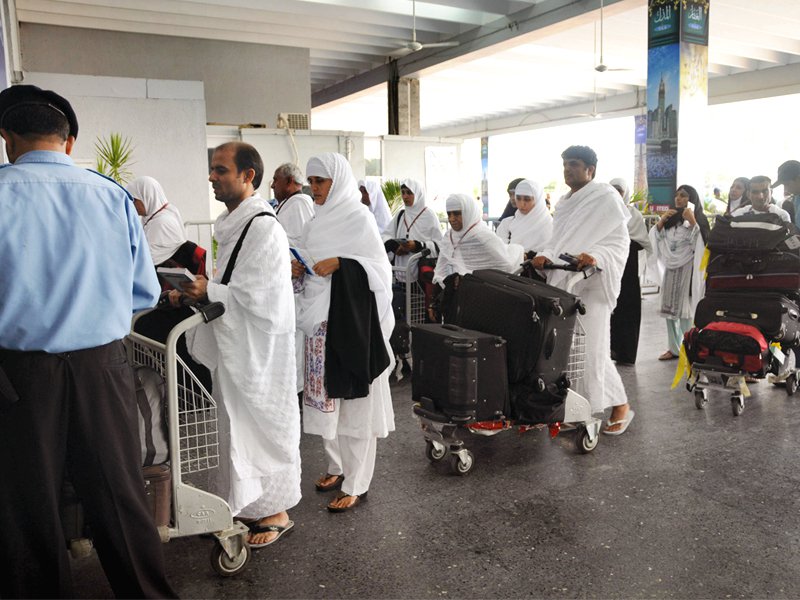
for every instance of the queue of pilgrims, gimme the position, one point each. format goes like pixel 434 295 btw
pixel 334 311
pixel 310 300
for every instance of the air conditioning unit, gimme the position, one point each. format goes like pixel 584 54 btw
pixel 293 121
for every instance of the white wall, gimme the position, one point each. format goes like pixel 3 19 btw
pixel 275 148
pixel 244 83
pixel 164 119
pixel 434 161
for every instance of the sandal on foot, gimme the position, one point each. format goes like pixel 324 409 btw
pixel 668 355
pixel 624 422
pixel 255 528
pixel 356 502
pixel 337 483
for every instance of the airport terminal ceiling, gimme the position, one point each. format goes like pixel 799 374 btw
pixel 516 62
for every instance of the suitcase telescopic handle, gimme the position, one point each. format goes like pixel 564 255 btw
pixel 212 311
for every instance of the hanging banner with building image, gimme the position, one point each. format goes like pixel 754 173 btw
pixel 677 96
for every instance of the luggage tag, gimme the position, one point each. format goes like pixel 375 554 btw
pixel 793 243
pixel 775 350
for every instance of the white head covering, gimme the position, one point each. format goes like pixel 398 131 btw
pixel 475 246
pixel 377 202
pixel 163 226
pixel 533 230
pixel 342 227
pixel 626 192
pixel 419 197
pixel 636 226
pixel 471 211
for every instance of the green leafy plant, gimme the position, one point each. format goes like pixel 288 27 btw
pixel 113 156
pixel 391 189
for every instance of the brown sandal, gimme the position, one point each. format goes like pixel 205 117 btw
pixel 668 355
pixel 357 500
pixel 335 485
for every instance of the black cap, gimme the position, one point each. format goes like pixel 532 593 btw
pixel 18 95
pixel 788 171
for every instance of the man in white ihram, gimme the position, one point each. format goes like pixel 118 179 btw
pixel 250 349
pixel 590 222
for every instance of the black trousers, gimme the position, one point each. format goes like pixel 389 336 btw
pixel 76 414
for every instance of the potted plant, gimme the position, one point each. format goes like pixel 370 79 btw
pixel 113 156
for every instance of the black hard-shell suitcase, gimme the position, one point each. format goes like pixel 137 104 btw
pixel 754 233
pixel 459 373
pixel 536 320
pixel 771 271
pixel 774 314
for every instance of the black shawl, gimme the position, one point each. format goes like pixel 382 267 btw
pixel 355 353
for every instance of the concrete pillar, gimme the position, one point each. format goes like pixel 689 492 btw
pixel 408 106
pixel 677 96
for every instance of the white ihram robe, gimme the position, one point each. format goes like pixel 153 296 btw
pixel 416 222
pixel 531 231
pixel 343 227
pixel 475 246
pixel 250 352
pixel 594 220
pixel 293 214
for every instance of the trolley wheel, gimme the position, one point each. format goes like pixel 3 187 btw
pixel 582 441
pixel 462 467
pixel 434 453
pixel 700 399
pixel 791 384
pixel 226 566
pixel 737 405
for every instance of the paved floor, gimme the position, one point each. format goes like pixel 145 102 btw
pixel 686 504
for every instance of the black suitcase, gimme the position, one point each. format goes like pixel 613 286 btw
pixel 753 232
pixel 536 320
pixel 774 314
pixel 771 271
pixel 459 373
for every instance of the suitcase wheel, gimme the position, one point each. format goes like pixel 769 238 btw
pixel 791 384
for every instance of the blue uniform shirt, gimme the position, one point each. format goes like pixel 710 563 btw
pixel 74 262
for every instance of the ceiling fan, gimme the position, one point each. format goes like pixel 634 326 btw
pixel 413 45
pixel 594 114
pixel 601 67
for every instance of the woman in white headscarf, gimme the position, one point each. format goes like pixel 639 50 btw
pixel 531 225
pixel 345 311
pixel 162 222
pixel 372 196
pixel 470 245
pixel 415 227
pixel 627 315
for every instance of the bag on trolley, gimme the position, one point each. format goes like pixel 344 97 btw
pixel 775 315
pixel 536 320
pixel 752 232
pixel 733 345
pixel 741 271
pixel 459 373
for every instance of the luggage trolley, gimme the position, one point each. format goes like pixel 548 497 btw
pixel 441 432
pixel 407 278
pixel 194 446
pixel 705 377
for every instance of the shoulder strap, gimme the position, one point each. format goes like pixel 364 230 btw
pixel 226 277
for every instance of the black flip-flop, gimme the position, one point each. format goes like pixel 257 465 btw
pixel 255 528
pixel 337 483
